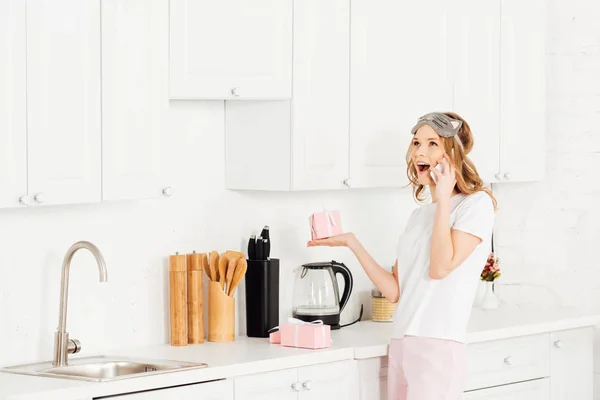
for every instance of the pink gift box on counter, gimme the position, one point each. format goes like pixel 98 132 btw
pixel 325 224
pixel 307 335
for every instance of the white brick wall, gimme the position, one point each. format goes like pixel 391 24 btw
pixel 548 233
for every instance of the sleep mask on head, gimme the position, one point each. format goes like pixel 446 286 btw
pixel 442 124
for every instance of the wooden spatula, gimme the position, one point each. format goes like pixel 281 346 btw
pixel 223 260
pixel 230 271
pixel 214 263
pixel 205 265
pixel 240 271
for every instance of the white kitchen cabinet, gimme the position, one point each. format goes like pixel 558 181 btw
pixel 315 382
pixel 217 390
pixel 523 90
pixel 63 101
pixel 135 102
pixel 276 385
pixel 552 366
pixel 476 55
pixel 572 364
pixel 532 390
pixel 13 103
pixel 329 381
pixel 320 113
pixel 400 69
pixel 304 142
pixel 373 374
pixel 230 49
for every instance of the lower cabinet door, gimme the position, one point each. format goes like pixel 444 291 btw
pixel 275 385
pixel 217 390
pixel 532 390
pixel 372 381
pixel 336 380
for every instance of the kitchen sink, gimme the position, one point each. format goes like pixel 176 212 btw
pixel 103 368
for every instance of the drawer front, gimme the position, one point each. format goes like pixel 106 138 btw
pixel 505 361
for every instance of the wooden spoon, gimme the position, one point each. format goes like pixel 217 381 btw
pixel 205 266
pixel 236 253
pixel 214 262
pixel 240 271
pixel 223 260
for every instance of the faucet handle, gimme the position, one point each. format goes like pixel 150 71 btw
pixel 74 346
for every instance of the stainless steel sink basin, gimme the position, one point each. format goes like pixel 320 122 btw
pixel 102 368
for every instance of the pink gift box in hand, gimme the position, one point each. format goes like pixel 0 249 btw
pixel 325 224
pixel 308 335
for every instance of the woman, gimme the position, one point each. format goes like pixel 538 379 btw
pixel 440 257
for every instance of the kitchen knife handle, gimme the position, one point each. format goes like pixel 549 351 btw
pixel 260 250
pixel 266 248
pixel 252 248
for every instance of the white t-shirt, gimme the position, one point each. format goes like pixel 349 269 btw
pixel 441 308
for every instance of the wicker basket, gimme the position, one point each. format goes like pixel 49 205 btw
pixel 383 309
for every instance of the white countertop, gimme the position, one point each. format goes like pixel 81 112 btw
pixel 251 355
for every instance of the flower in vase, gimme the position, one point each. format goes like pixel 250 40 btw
pixel 491 271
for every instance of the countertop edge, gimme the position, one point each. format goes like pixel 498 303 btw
pixel 88 390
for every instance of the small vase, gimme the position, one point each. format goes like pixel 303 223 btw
pixel 490 299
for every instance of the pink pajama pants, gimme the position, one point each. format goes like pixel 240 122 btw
pixel 426 369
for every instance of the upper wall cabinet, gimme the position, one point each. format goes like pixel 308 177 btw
pixel 63 101
pixel 483 60
pixel 50 102
pixel 135 98
pixel 500 85
pixel 230 49
pixel 523 95
pixel 304 142
pixel 13 103
pixel 400 70
pixel 476 36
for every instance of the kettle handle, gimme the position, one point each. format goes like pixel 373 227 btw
pixel 340 268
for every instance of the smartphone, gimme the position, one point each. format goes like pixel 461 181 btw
pixel 440 168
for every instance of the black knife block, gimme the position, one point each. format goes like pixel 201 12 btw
pixel 262 297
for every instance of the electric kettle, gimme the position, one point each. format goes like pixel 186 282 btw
pixel 316 292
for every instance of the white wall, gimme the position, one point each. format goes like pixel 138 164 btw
pixel 546 232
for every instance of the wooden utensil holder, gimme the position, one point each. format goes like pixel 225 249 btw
pixel 221 314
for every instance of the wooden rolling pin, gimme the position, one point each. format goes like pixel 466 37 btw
pixel 178 300
pixel 194 298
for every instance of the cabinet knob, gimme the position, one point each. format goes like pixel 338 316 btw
pixel 307 385
pixel 348 182
pixel 498 176
pixel 24 200
pixel 508 360
pixel 296 386
pixel 558 344
pixel 234 92
pixel 39 198
pixel 168 191
pixel 507 176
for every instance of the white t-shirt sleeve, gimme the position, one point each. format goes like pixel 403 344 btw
pixel 475 215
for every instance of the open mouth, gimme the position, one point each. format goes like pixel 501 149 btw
pixel 422 167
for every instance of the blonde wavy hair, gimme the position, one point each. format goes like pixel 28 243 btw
pixel 468 180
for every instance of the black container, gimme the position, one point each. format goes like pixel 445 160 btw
pixel 262 297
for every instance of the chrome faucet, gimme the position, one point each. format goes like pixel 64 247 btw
pixel 63 346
